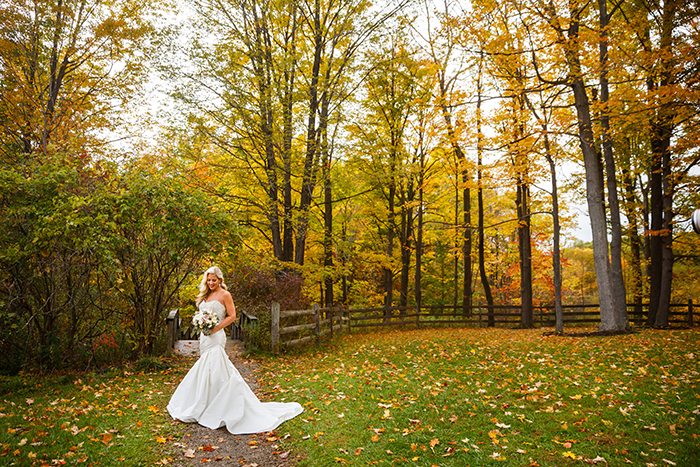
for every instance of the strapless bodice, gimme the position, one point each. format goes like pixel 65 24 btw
pixel 215 307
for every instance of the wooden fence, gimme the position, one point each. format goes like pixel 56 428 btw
pixel 305 326
pixel 503 315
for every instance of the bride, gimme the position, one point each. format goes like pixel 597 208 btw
pixel 213 393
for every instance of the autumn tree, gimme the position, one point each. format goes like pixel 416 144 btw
pixel 68 70
pixel 438 39
pixel 68 67
pixel 273 65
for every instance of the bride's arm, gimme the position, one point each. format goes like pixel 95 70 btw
pixel 230 313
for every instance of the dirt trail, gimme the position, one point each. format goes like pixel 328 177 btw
pixel 219 446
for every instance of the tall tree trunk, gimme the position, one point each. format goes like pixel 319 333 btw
pixel 523 212
pixel 261 63
pixel 390 235
pixel 419 238
pixel 289 76
pixel 556 254
pixel 596 210
pixel 467 247
pixel 616 276
pixel 595 189
pixel 455 263
pixel 406 237
pixel 664 308
pixel 312 140
pixel 662 187
pixel 525 250
pixel 636 245
pixel 655 245
pixel 480 201
pixel 328 222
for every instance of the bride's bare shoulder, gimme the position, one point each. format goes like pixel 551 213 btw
pixel 227 296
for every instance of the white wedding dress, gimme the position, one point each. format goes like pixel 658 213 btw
pixel 214 394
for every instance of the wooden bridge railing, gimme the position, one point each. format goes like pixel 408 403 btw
pixel 175 331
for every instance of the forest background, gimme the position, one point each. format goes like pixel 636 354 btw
pixel 338 152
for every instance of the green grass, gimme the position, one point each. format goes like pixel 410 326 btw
pixel 472 397
pixel 446 397
pixel 114 418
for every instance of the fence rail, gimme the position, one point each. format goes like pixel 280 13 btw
pixel 304 326
pixel 175 331
pixel 334 318
pixel 508 315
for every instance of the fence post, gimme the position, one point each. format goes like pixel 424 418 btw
pixel 690 313
pixel 172 325
pixel 330 315
pixel 317 322
pixel 275 326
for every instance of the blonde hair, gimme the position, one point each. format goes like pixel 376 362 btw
pixel 204 288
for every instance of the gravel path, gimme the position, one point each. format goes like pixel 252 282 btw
pixel 200 444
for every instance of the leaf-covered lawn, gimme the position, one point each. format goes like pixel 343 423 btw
pixel 449 397
pixel 114 418
pixel 471 397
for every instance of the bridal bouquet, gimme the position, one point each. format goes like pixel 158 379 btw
pixel 204 321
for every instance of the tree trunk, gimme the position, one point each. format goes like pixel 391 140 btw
pixel 328 223
pixel 616 276
pixel 455 262
pixel 406 237
pixel 467 246
pixel 419 238
pixel 594 198
pixel 664 308
pixel 636 246
pixel 312 141
pixel 461 162
pixel 289 76
pixel 525 251
pixel 655 245
pixel 556 254
pixel 662 187
pixel 480 201
pixel 569 37
pixel 391 227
